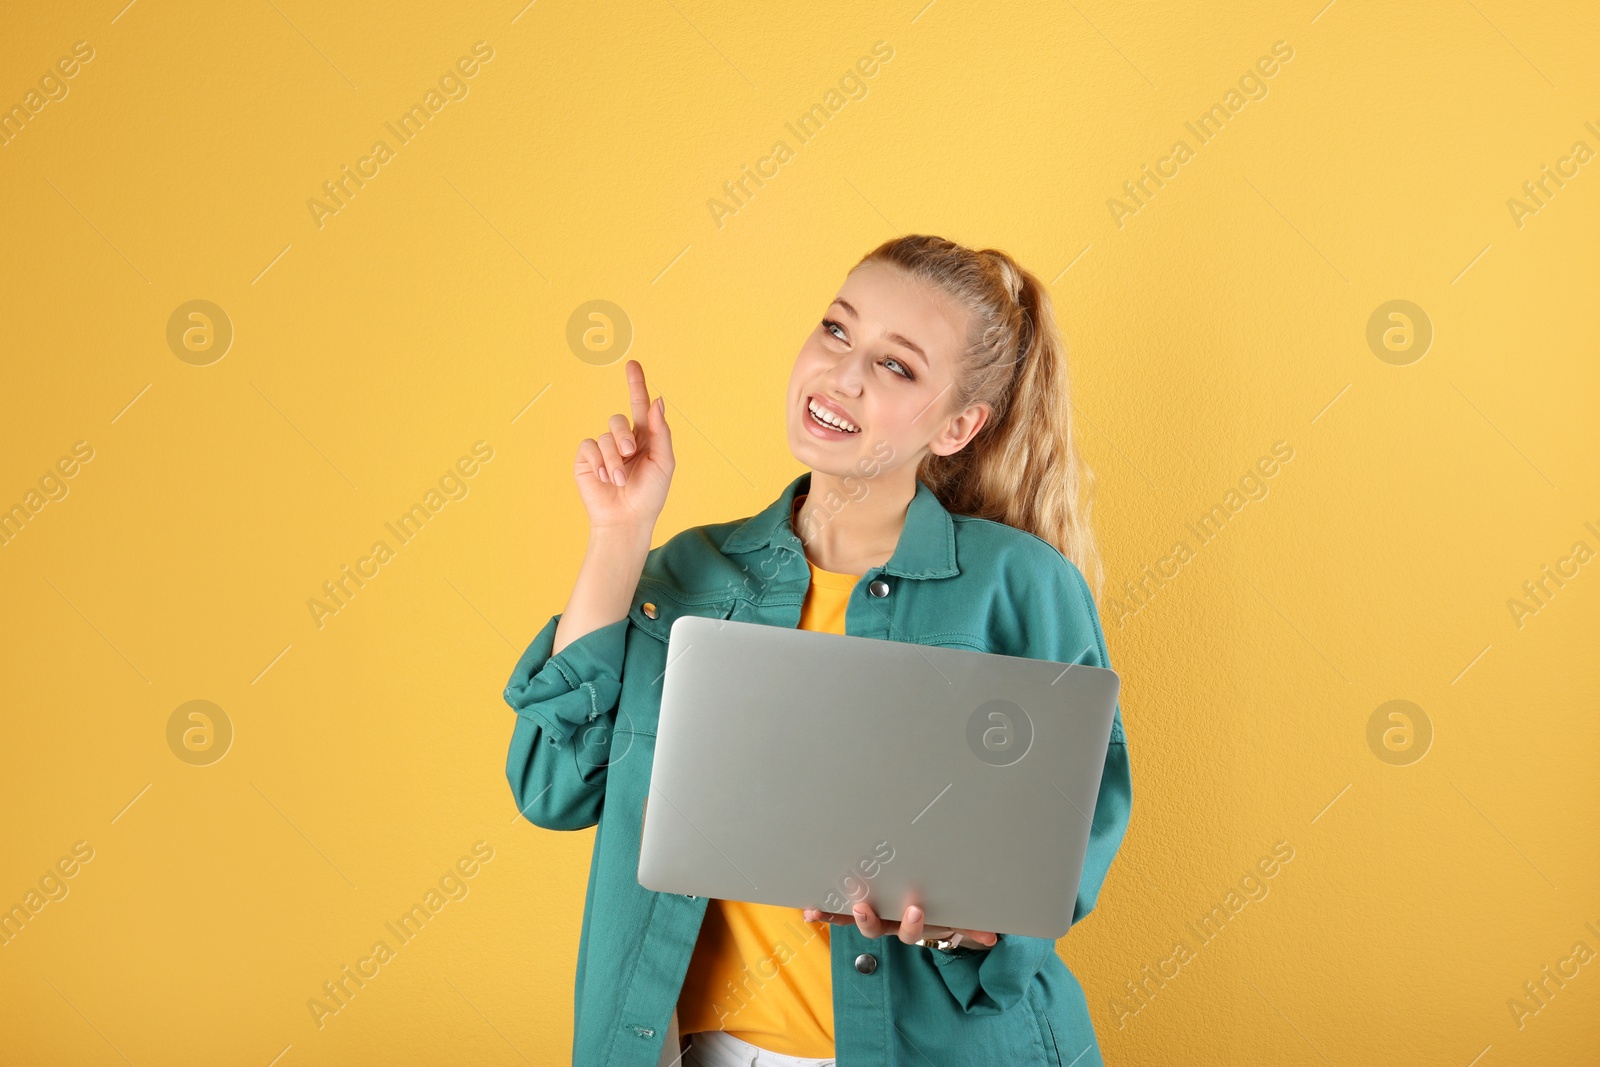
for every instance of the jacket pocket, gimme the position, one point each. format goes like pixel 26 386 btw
pixel 952 639
pixel 655 608
pixel 1052 1049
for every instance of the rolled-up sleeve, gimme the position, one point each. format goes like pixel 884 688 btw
pixel 566 710
pixel 1063 625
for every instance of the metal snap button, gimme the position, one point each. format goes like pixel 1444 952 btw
pixel 650 611
pixel 879 587
pixel 866 963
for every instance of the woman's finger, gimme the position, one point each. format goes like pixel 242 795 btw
pixel 912 929
pixel 622 430
pixel 638 394
pixel 867 919
pixel 608 449
pixel 837 918
pixel 660 432
pixel 589 460
pixel 986 938
pixel 911 925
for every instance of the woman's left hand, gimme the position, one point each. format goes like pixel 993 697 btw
pixel 909 929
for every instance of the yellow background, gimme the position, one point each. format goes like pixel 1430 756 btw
pixel 371 353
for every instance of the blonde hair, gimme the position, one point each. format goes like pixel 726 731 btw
pixel 1022 468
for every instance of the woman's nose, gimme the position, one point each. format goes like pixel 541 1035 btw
pixel 848 373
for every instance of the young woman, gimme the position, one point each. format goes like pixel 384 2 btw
pixel 943 504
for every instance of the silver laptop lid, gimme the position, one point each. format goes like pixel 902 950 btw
pixel 811 769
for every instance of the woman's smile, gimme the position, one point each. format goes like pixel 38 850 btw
pixel 826 420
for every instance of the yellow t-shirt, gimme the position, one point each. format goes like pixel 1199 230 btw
pixel 759 971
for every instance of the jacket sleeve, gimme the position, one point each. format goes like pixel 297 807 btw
pixel 1062 625
pixel 566 707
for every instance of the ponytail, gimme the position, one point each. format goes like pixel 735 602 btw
pixel 1022 468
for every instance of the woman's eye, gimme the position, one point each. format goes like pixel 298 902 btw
pixel 830 325
pixel 904 371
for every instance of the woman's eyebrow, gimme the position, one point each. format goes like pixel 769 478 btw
pixel 899 339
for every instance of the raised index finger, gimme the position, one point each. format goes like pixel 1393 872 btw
pixel 638 395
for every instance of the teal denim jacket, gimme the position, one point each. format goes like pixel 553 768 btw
pixel 584 742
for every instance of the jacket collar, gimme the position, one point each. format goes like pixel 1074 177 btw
pixel 927 546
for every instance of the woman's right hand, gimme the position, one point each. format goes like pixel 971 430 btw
pixel 623 477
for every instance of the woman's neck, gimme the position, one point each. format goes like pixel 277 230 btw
pixel 852 525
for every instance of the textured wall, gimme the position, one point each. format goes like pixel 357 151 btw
pixel 190 475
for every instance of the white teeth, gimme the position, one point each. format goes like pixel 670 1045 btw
pixel 828 418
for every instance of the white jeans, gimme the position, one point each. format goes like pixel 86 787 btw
pixel 715 1048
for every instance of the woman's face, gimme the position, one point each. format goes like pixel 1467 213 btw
pixel 883 359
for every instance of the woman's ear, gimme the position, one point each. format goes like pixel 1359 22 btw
pixel 959 430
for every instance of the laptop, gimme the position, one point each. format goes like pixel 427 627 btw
pixel 812 770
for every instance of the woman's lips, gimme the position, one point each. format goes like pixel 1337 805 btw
pixel 827 433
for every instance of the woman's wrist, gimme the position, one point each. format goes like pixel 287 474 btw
pixel 607 579
pixel 629 535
